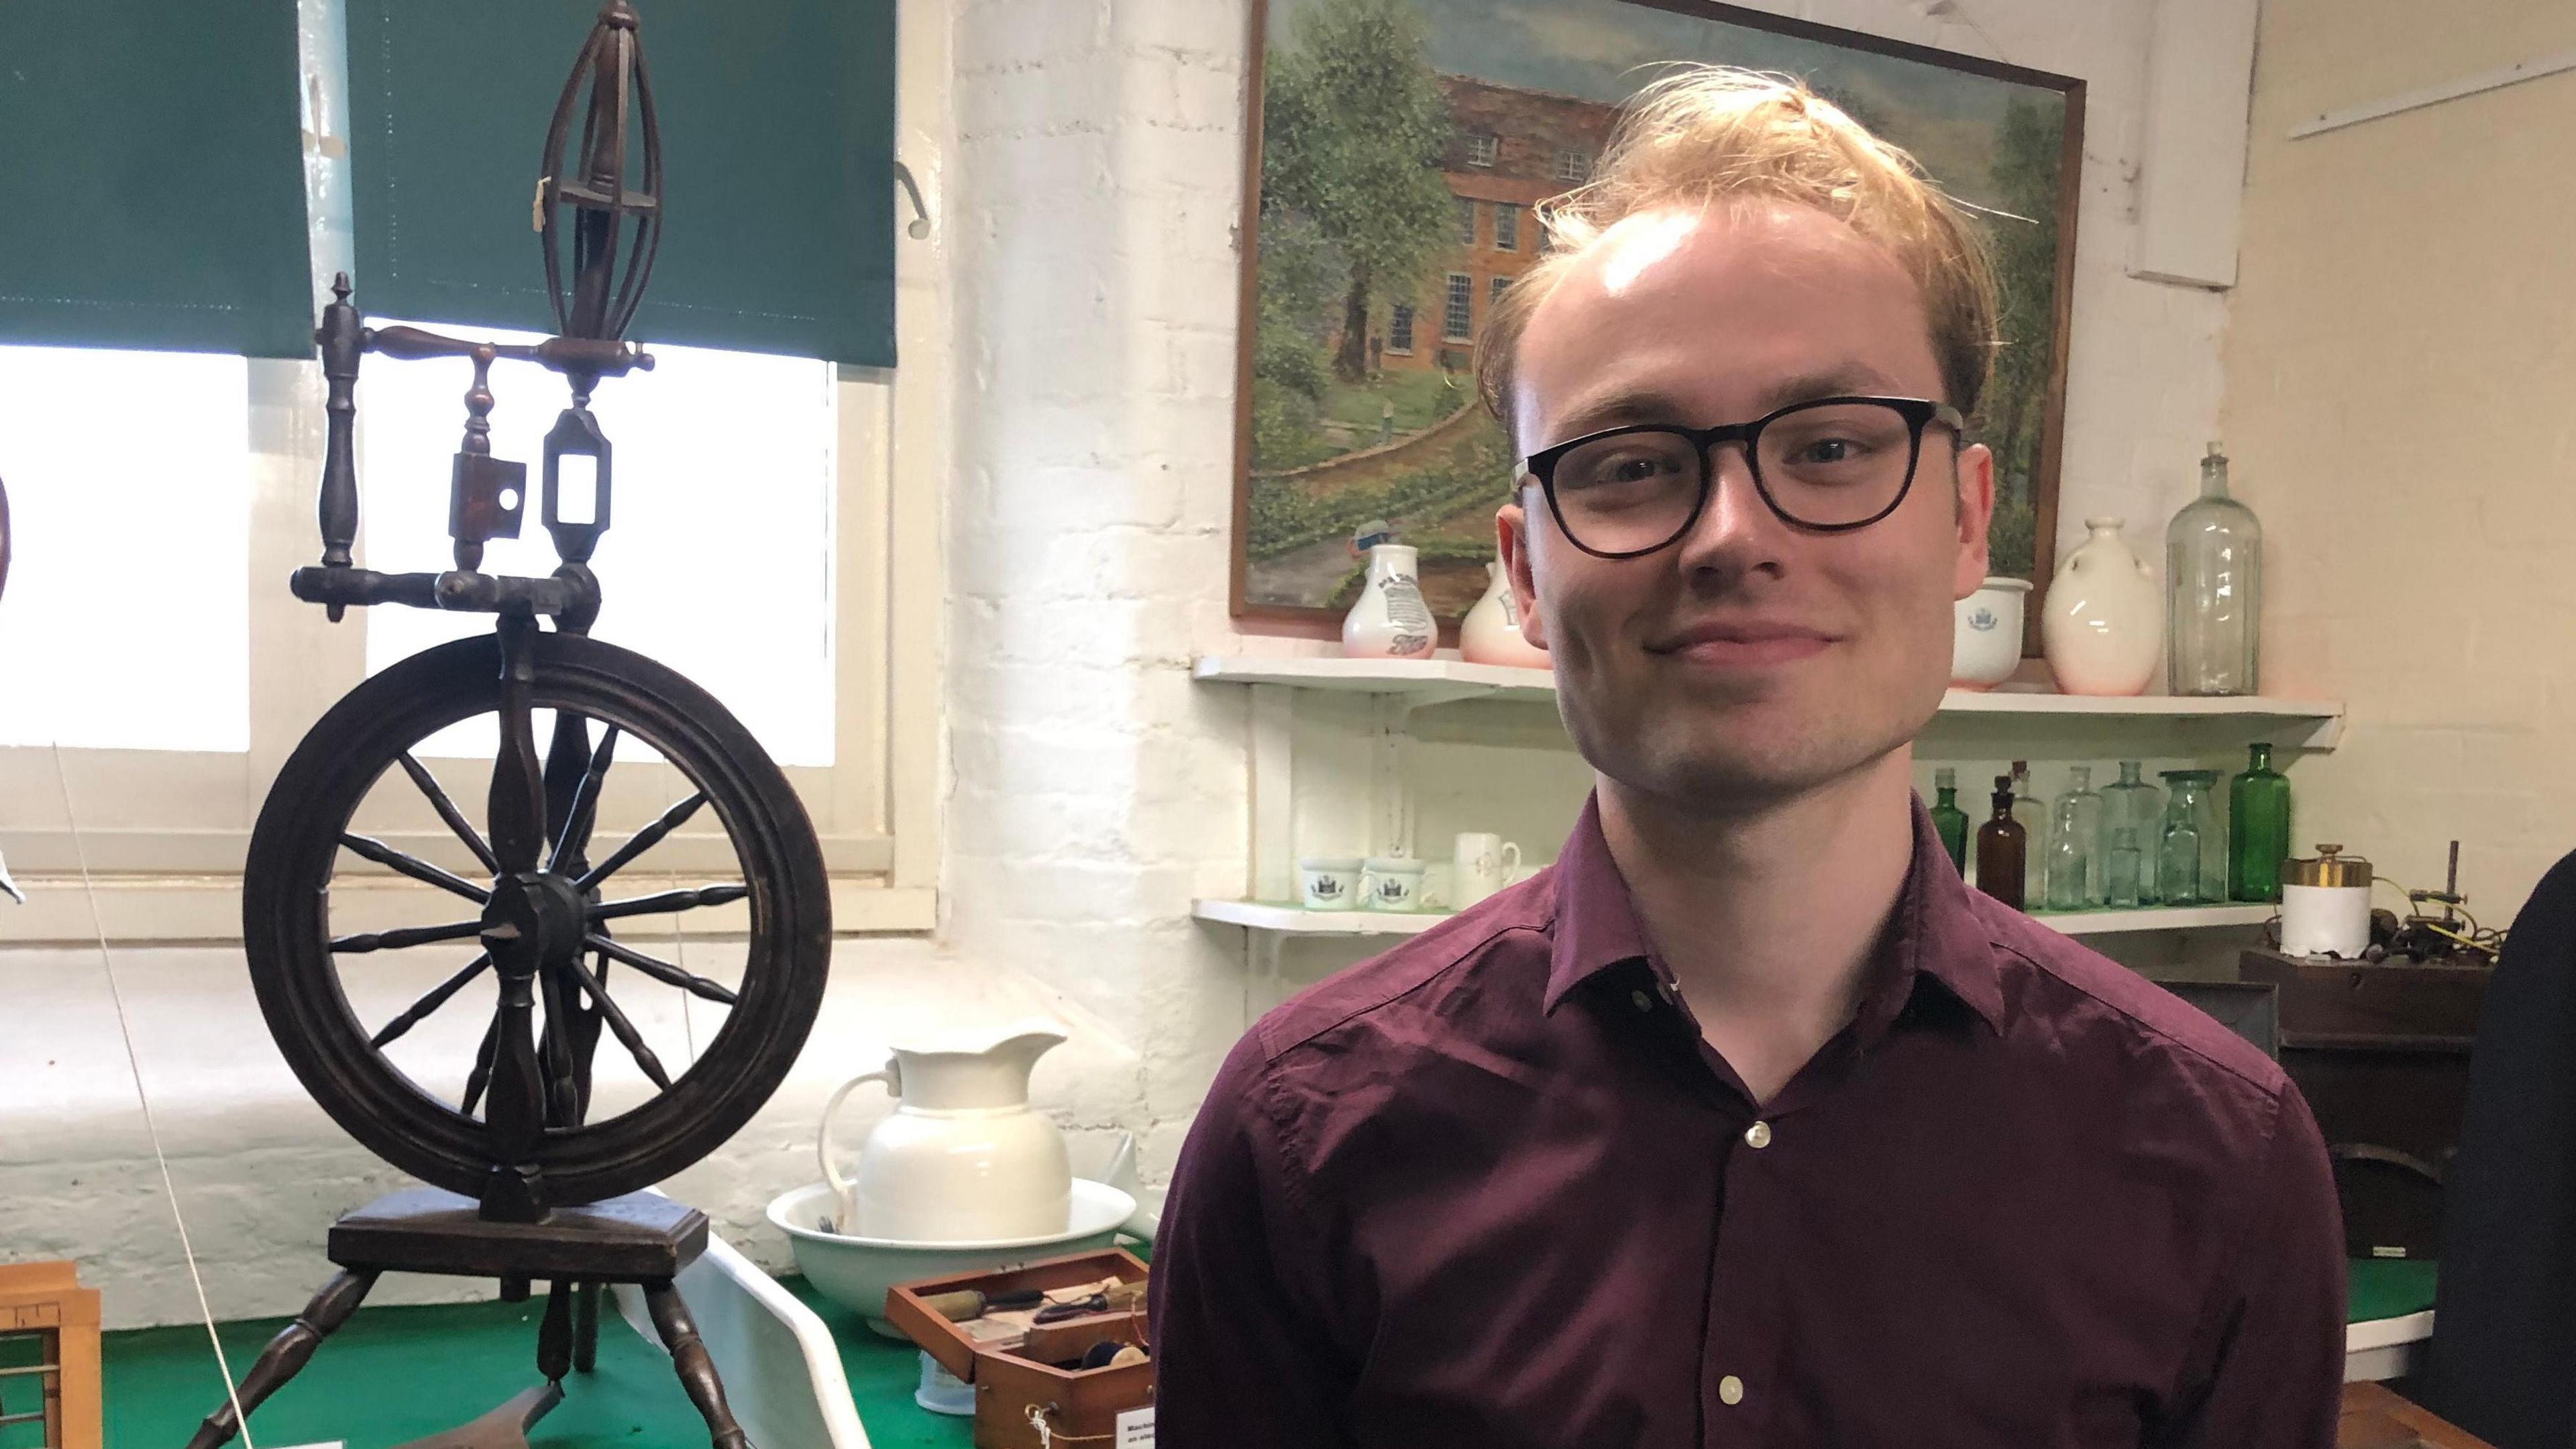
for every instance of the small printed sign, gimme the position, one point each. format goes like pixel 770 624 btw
pixel 1136 1429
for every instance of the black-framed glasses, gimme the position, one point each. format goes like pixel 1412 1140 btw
pixel 1829 465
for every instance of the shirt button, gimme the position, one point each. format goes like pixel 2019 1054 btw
pixel 1730 1391
pixel 1758 1135
pixel 1644 1002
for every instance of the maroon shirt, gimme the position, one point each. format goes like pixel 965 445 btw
pixel 1492 1188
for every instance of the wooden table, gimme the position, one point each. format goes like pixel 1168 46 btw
pixel 2374 1417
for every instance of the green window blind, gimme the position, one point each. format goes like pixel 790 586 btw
pixel 777 121
pixel 152 177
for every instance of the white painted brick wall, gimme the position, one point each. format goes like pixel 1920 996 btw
pixel 1089 194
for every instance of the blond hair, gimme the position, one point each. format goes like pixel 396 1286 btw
pixel 1718 134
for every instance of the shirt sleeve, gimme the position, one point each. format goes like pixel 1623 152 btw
pixel 2278 1377
pixel 1244 1357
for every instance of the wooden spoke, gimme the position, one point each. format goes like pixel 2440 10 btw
pixel 413 866
pixel 654 905
pixel 585 802
pixel 624 1029
pixel 448 812
pixel 481 1077
pixel 431 1000
pixel 404 938
pixel 662 971
pixel 642 841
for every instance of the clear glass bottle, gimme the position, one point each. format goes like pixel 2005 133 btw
pixel 2258 829
pixel 2191 867
pixel 2213 590
pixel 2032 813
pixel 2121 862
pixel 2075 845
pixel 2001 847
pixel 1948 819
pixel 2139 808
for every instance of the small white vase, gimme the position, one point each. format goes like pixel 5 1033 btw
pixel 1985 634
pixel 1390 621
pixel 1491 632
pixel 2102 624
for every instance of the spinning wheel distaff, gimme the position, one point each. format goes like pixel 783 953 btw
pixel 525 1183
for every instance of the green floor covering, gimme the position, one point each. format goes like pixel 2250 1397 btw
pixel 396 1374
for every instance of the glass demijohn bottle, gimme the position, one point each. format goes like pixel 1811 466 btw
pixel 1948 819
pixel 2000 849
pixel 2213 590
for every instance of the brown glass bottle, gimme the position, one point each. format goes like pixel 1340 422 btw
pixel 2001 847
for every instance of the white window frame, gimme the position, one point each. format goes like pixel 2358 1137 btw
pixel 1572 165
pixel 1507 226
pixel 1400 322
pixel 1484 148
pixel 1466 221
pixel 1459 296
pixel 1494 289
pixel 162 833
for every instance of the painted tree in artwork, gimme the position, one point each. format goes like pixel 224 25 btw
pixel 1353 127
pixel 2027 150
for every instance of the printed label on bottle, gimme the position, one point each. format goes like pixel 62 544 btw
pixel 1405 611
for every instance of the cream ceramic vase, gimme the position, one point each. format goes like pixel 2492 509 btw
pixel 1491 632
pixel 964 1157
pixel 1390 621
pixel 2102 625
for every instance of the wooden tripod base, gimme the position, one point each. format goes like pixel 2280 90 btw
pixel 641 1238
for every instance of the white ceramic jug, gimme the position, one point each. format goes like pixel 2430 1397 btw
pixel 1491 632
pixel 1390 620
pixel 964 1157
pixel 2103 622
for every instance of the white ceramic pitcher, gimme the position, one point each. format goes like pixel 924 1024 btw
pixel 964 1157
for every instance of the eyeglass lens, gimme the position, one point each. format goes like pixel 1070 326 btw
pixel 1826 465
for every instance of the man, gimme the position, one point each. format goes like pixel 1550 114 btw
pixel 1747 1123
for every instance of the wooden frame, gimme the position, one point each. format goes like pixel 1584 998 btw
pixel 1269 617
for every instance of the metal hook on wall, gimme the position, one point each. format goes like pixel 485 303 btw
pixel 919 227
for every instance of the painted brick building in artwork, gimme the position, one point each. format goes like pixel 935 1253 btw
pixel 1509 149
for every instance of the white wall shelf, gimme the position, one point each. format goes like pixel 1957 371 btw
pixel 1290 920
pixel 2303 723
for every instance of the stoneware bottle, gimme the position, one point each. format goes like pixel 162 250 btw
pixel 1491 632
pixel 2102 626
pixel 1390 621
pixel 964 1157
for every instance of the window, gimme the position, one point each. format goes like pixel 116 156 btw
pixel 1507 227
pixel 1482 148
pixel 1399 328
pixel 758 546
pixel 1494 294
pixel 1572 165
pixel 126 625
pixel 1466 222
pixel 1457 318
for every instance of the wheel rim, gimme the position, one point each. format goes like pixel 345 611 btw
pixel 298 848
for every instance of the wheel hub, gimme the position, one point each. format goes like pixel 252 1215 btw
pixel 535 916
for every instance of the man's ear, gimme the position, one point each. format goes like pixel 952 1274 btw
pixel 1511 535
pixel 1974 505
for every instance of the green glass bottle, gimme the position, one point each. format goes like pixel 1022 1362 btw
pixel 1948 818
pixel 2258 829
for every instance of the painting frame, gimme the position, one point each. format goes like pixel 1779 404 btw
pixel 1320 621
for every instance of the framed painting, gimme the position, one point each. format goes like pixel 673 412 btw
pixel 1396 150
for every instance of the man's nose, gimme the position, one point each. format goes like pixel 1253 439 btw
pixel 1736 533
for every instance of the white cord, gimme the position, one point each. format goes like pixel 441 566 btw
pixel 134 1064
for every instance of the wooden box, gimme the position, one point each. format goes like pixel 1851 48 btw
pixel 1076 1404
pixel 45 1301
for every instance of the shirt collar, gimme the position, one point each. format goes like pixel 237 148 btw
pixel 1934 930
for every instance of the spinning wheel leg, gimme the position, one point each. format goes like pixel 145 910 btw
pixel 287 1353
pixel 585 1327
pixel 697 1372
pixel 554 1333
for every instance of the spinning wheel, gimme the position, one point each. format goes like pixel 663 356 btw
pixel 548 929
pixel 525 1184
